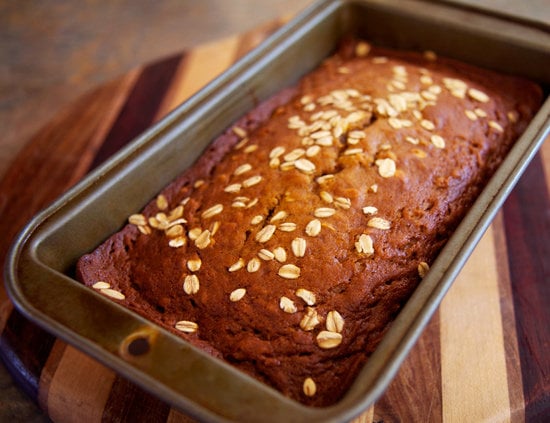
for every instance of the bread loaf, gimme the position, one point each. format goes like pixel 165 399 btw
pixel 290 246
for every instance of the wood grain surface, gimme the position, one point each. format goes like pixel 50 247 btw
pixel 483 357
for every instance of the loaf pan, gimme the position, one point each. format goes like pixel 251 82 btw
pixel 40 267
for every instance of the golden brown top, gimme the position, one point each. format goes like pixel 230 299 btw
pixel 293 243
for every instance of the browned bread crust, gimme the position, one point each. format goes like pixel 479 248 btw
pixel 294 241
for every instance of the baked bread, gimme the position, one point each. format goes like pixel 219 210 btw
pixel 290 246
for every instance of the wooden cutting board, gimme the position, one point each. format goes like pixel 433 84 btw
pixel 484 356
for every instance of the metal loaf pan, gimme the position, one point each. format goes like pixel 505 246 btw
pixel 40 265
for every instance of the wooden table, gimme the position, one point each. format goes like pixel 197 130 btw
pixel 483 357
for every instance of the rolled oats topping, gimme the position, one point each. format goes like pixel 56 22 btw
pixel 352 151
pixel 413 140
pixel 287 305
pixel 386 167
pixel 162 203
pixel 513 116
pixel 364 244
pixel 299 247
pixel 238 265
pixel 456 86
pixel 362 49
pixel 478 95
pixel 253 265
pixel 194 264
pixel 324 178
pixel 423 268
pixel 309 387
pixel 310 320
pixel 326 197
pixel 284 237
pixel 191 284
pixel 426 80
pixel 335 322
pixel 287 227
pixel 256 220
pixel 426 124
pixel 324 212
pixel 113 293
pixel 174 231
pixel 137 219
pixel 265 233
pixel 203 240
pixel 438 141
pixel 145 230
pixel 277 152
pixel 101 285
pixel 280 254
pixel 177 242
pixel 280 215
pixel 237 295
pixel 304 165
pixel 294 155
pixel 342 202
pixel 186 326
pixel 379 223
pixel 313 150
pixel 242 169
pixel 194 233
pixel 496 126
pixel 250 148
pixel 240 132
pixel 289 271
pixel 233 188
pixel 370 210
pixel 306 295
pixel 328 339
pixel 105 288
pixel 212 211
pixel 480 112
pixel 313 228
pixel 247 183
pixel 470 114
pixel 265 254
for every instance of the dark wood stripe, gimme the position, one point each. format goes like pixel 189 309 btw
pixel 140 108
pixel 25 349
pixel 129 403
pixel 527 223
pixel 421 368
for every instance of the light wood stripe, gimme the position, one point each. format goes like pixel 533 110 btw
pixel 48 372
pixel 513 364
pixel 199 68
pixel 545 155
pixel 78 377
pixel 366 417
pixel 254 38
pixel 473 363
